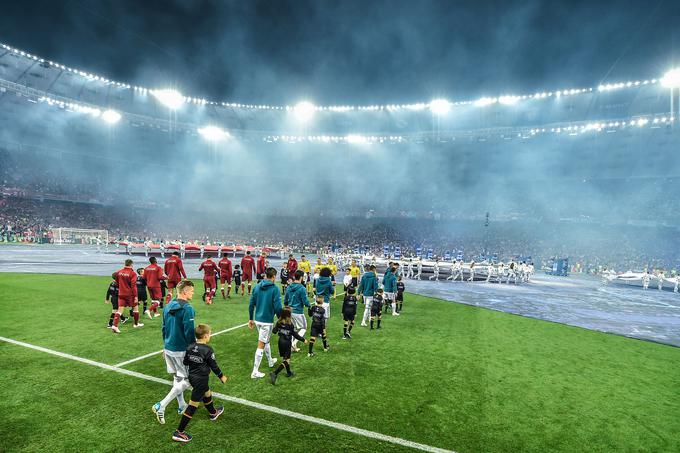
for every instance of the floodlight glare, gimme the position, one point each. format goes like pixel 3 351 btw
pixel 671 79
pixel 356 139
pixel 111 116
pixel 440 106
pixel 508 100
pixel 170 98
pixel 484 102
pixel 213 133
pixel 304 111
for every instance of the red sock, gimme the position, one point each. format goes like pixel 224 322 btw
pixel 154 307
pixel 135 314
pixel 116 319
pixel 249 286
pixel 228 290
pixel 167 298
pixel 243 287
pixel 222 291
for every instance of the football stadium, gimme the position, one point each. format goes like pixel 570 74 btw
pixel 340 226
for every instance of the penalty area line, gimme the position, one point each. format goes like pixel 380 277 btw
pixel 151 354
pixel 241 401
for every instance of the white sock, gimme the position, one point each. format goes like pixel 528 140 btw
pixel 172 394
pixel 367 314
pixel 394 307
pixel 268 353
pixel 184 385
pixel 258 359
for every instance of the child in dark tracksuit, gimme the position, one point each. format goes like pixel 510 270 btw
pixel 200 360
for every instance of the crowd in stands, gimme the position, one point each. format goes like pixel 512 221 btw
pixel 589 247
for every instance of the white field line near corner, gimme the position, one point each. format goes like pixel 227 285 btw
pixel 243 402
pixel 151 354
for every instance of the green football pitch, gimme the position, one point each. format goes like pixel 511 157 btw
pixel 441 376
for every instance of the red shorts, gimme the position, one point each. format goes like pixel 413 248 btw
pixel 155 293
pixel 247 278
pixel 173 283
pixel 225 278
pixel 209 283
pixel 126 301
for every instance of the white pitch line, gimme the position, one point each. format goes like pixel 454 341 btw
pixel 151 354
pixel 243 402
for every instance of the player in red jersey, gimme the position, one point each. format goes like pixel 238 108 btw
pixel 261 266
pixel 174 269
pixel 292 265
pixel 248 268
pixel 225 274
pixel 127 294
pixel 153 274
pixel 210 271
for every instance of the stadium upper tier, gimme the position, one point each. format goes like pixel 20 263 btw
pixel 29 78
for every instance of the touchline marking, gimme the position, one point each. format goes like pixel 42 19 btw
pixel 151 354
pixel 243 402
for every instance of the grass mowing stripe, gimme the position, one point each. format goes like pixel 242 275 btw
pixel 151 354
pixel 243 402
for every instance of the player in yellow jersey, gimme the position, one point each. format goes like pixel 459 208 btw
pixel 305 267
pixel 334 269
pixel 355 273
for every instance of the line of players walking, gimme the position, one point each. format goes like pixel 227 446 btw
pixel 187 354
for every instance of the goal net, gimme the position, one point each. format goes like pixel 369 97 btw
pixel 80 236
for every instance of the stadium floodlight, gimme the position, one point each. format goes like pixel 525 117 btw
pixel 484 102
pixel 671 79
pixel 172 99
pixel 356 139
pixel 304 111
pixel 509 100
pixel 440 106
pixel 111 116
pixel 213 133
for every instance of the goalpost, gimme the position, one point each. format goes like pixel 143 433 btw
pixel 81 236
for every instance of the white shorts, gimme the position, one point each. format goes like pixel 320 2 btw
pixel 327 306
pixel 391 296
pixel 174 362
pixel 299 321
pixel 264 331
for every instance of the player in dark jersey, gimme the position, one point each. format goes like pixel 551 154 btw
pixel 226 274
pixel 199 359
pixel 248 268
pixel 164 289
pixel 376 307
pixel 284 278
pixel 286 330
pixel 261 266
pixel 112 298
pixel 211 271
pixel 400 294
pixel 318 315
pixel 237 279
pixel 141 291
pixel 349 311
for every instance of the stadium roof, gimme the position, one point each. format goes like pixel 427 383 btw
pixel 638 103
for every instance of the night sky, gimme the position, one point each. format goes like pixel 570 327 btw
pixel 352 52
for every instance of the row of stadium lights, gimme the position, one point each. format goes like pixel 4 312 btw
pixel 610 126
pixel 571 130
pixel 174 99
pixel 353 139
pixel 211 133
pixel 215 134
